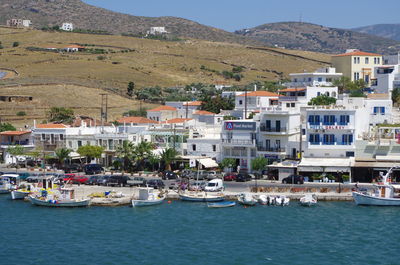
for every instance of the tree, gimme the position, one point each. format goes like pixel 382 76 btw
pixel 217 103
pixel 342 83
pixel 61 114
pixel 396 95
pixel 154 160
pixel 168 156
pixel 322 100
pixel 90 151
pixel 345 85
pixel 228 163
pixel 15 44
pixel 62 154
pixel 259 163
pixel 141 112
pixel 7 127
pixel 15 151
pixel 141 152
pixel 130 89
pixel 125 152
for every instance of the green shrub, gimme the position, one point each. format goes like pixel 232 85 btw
pixel 21 113
pixel 15 44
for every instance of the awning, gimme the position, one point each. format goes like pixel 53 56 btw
pixel 376 165
pixel 208 162
pixel 325 165
pixel 75 155
pixel 388 158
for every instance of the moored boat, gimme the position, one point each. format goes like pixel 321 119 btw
pixel 247 199
pixel 147 197
pixel 223 204
pixel 59 198
pixel 308 200
pixel 19 194
pixel 382 194
pixel 201 197
pixel 8 182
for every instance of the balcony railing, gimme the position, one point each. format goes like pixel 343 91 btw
pixel 271 149
pixel 331 143
pixel 264 128
pixel 238 142
pixel 16 143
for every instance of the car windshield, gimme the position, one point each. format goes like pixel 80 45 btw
pixel 211 184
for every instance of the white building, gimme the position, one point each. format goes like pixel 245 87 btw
pixel 13 138
pixel 387 78
pixel 157 31
pixel 162 113
pixel 321 77
pixel 19 23
pixel 205 141
pixel 67 27
pixel 249 102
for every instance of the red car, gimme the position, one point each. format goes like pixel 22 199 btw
pixel 75 179
pixel 230 177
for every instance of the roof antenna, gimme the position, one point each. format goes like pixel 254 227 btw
pixel 301 18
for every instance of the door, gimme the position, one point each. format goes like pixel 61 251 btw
pixel 268 125
pixel 278 126
pixel 267 144
pixel 294 152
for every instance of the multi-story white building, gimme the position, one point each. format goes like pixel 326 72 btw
pixel 67 26
pixel 321 77
pixel 19 23
pixel 387 78
pixel 162 113
pixel 249 102
pixel 157 30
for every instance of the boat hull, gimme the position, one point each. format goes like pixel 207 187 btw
pixel 38 202
pixel 4 191
pixel 142 203
pixel 19 195
pixel 308 203
pixel 224 204
pixel 363 199
pixel 194 198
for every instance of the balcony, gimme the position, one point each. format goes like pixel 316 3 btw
pixel 264 128
pixel 26 142
pixel 329 145
pixel 329 126
pixel 238 142
pixel 271 149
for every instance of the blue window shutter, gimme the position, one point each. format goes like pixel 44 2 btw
pixel 347 119
pixel 317 120
pixel 350 138
pixel 317 138
pixel 383 110
pixel 343 140
pixel 375 110
pixel 310 118
pixel 310 138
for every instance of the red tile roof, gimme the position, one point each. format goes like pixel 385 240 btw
pixel 295 89
pixel 260 94
pixel 51 126
pixel 75 46
pixel 203 112
pixel 177 120
pixel 357 53
pixel 138 120
pixel 193 103
pixel 161 108
pixel 14 133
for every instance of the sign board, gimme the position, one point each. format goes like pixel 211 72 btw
pixel 192 163
pixel 240 126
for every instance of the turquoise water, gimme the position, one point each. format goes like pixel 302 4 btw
pixel 191 233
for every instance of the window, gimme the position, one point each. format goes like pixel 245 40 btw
pixel 295 80
pixel 278 144
pixel 268 144
pixel 358 60
pixel 329 139
pixel 349 154
pixel 193 147
pixel 347 139
pixel 287 105
pixel 61 137
pixel 344 119
pixel 319 79
pixel 366 60
pixel 329 120
pixel 268 124
pixel 314 119
pixel 214 147
pixel 292 105
pixel 79 143
pixel 52 138
pixel 309 79
pixel 378 60
pixel 375 60
pixel 314 139
pixel 70 144
pixel 354 60
pixel 240 102
pixel 379 110
pixel 318 94
pixel 356 76
pixel 43 137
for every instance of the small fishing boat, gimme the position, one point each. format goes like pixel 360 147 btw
pixel 147 197
pixel 8 182
pixel 247 199
pixel 201 197
pixel 382 194
pixel 58 198
pixel 308 200
pixel 223 204
pixel 19 194
pixel 264 200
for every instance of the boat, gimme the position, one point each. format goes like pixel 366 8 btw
pixel 285 201
pixel 20 194
pixel 264 200
pixel 247 199
pixel 8 182
pixel 308 200
pixel 147 197
pixel 382 194
pixel 223 204
pixel 58 198
pixel 201 197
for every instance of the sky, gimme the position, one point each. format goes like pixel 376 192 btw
pixel 232 15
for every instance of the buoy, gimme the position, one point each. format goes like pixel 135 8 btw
pixel 169 202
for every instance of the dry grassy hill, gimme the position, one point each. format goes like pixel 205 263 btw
pixel 145 62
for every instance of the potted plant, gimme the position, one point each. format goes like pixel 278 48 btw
pixel 316 177
pixel 331 177
pixel 346 179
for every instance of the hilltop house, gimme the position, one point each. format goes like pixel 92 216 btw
pixel 157 31
pixel 19 23
pixel 67 27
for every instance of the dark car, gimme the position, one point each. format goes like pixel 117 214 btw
pixel 93 180
pixel 155 183
pixel 72 168
pixel 117 180
pixel 243 177
pixel 136 181
pixel 102 180
pixel 92 169
pixel 293 179
pixel 169 175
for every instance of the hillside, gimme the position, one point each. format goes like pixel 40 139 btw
pixel 306 36
pixel 83 16
pixel 390 31
pixel 124 59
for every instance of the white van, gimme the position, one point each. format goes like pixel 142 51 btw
pixel 214 185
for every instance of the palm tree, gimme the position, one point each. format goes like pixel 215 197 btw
pixel 168 156
pixel 63 154
pixel 125 151
pixel 141 152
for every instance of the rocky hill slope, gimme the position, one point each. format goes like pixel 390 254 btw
pixel 390 31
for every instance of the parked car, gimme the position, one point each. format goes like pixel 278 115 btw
pixel 190 174
pixel 197 186
pixel 293 179
pixel 214 185
pixel 92 169
pixel 155 183
pixel 93 180
pixel 117 180
pixel 102 180
pixel 212 175
pixel 72 168
pixel 243 177
pixel 169 175
pixel 75 179
pixel 136 181
pixel 230 177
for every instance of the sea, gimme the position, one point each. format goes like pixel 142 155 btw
pixel 190 233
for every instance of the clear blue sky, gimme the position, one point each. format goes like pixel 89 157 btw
pixel 231 15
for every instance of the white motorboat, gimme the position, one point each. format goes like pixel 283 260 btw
pixel 147 197
pixel 308 200
pixel 8 182
pixel 58 198
pixel 247 199
pixel 285 201
pixel 382 194
pixel 223 204
pixel 201 197
pixel 264 200
pixel 19 194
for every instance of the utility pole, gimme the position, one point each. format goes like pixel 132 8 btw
pixel 187 109
pixel 245 102
pixel 104 108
